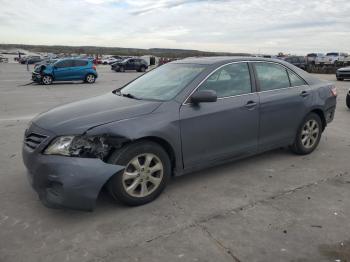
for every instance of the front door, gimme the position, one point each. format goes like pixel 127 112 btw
pixel 129 64
pixel 63 70
pixel 227 128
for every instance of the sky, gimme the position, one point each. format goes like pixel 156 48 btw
pixel 252 26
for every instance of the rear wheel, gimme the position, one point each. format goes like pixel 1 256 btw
pixel 308 135
pixel 348 100
pixel 90 78
pixel 142 69
pixel 47 80
pixel 147 171
pixel 340 78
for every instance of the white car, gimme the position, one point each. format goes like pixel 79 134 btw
pixel 314 58
pixel 109 60
pixel 334 58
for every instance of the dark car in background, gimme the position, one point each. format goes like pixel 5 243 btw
pixel 114 65
pixel 298 61
pixel 31 60
pixel 183 116
pixel 68 69
pixel 46 61
pixel 138 64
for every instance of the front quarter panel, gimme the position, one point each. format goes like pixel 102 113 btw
pixel 162 124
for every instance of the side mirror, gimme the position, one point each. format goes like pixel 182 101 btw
pixel 204 96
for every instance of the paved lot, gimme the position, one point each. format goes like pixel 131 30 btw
pixel 273 207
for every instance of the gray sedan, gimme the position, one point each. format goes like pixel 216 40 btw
pixel 183 116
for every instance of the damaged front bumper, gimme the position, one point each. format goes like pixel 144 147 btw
pixel 66 182
pixel 36 77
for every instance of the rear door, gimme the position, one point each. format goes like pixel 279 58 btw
pixel 227 128
pixel 284 102
pixel 79 69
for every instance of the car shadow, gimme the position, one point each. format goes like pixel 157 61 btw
pixel 105 203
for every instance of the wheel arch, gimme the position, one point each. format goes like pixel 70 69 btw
pixel 48 74
pixel 320 113
pixel 90 73
pixel 164 144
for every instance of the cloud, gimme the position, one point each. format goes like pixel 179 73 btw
pixel 256 26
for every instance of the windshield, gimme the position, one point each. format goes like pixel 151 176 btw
pixel 163 83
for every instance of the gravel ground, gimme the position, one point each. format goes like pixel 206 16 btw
pixel 272 207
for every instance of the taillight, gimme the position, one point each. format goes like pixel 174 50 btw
pixel 94 67
pixel 334 91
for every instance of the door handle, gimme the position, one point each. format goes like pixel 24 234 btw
pixel 304 94
pixel 250 105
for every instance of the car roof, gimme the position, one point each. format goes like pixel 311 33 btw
pixel 73 58
pixel 222 59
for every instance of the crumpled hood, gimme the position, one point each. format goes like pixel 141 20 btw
pixel 75 118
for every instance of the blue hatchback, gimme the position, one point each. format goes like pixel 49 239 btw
pixel 66 70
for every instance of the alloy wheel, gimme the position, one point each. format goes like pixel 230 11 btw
pixel 90 78
pixel 143 175
pixel 310 133
pixel 47 80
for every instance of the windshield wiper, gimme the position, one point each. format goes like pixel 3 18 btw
pixel 128 95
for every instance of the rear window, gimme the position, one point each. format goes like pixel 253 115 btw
pixel 271 76
pixel 311 55
pixel 295 80
pixel 80 63
pixel 332 54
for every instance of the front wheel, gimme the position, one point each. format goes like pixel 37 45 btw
pixel 46 80
pixel 348 100
pixel 121 69
pixel 308 135
pixel 147 171
pixel 90 78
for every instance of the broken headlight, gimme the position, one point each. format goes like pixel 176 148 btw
pixel 79 146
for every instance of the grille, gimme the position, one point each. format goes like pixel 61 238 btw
pixel 33 140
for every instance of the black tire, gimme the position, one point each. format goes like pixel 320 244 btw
pixel 121 69
pixel 340 79
pixel 142 69
pixel 298 147
pixel 46 80
pixel 348 100
pixel 123 157
pixel 90 78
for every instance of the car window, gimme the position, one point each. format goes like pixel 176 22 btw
pixel 271 76
pixel 230 80
pixel 332 54
pixel 295 80
pixel 80 63
pixel 64 63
